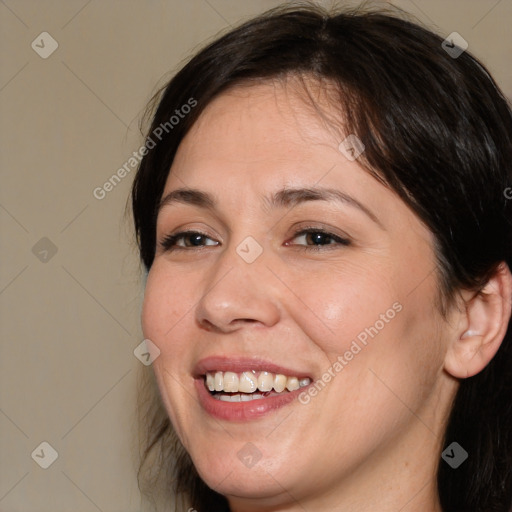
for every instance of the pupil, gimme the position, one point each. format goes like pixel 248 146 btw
pixel 318 238
pixel 196 238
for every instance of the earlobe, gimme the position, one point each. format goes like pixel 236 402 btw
pixel 482 326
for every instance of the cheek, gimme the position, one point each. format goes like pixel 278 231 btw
pixel 384 333
pixel 401 364
pixel 337 307
pixel 164 319
pixel 166 303
pixel 164 312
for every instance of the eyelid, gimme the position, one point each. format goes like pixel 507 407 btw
pixel 342 241
pixel 168 242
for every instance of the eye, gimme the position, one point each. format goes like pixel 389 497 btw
pixel 169 243
pixel 319 238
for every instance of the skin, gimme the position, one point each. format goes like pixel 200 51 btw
pixel 370 439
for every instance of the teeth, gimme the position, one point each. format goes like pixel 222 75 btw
pixel 304 382
pixel 231 381
pixel 250 382
pixel 210 381
pixel 280 383
pixel 229 398
pixel 265 381
pixel 292 384
pixel 239 398
pixel 219 381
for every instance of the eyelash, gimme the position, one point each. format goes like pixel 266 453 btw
pixel 168 243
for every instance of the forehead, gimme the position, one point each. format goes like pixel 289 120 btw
pixel 261 138
pixel 256 121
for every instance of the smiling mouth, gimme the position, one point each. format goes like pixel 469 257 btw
pixel 251 385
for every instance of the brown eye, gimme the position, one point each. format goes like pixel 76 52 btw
pixel 191 239
pixel 319 238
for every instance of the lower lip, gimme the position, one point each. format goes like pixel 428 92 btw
pixel 242 411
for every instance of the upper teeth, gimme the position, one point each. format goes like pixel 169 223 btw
pixel 250 381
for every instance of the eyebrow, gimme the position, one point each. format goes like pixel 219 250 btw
pixel 284 198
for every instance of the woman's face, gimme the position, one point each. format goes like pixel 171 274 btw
pixel 345 310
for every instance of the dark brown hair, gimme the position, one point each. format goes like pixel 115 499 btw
pixel 436 129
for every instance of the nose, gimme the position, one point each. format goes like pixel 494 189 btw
pixel 237 293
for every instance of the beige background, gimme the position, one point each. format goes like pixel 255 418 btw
pixel 70 320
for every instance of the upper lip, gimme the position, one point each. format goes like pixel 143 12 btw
pixel 239 364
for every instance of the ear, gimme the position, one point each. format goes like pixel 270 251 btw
pixel 482 326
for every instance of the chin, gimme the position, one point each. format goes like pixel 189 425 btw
pixel 241 471
pixel 246 485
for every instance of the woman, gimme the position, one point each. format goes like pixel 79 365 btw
pixel 322 217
